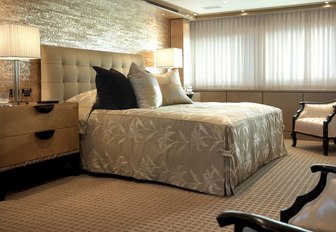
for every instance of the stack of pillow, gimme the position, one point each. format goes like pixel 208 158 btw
pixel 140 89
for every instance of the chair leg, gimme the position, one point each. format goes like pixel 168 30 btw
pixel 325 146
pixel 293 135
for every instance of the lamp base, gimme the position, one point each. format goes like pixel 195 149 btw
pixel 190 94
pixel 14 102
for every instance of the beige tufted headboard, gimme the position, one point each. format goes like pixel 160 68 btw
pixel 66 72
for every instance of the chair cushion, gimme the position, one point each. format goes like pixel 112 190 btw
pixel 314 126
pixel 319 214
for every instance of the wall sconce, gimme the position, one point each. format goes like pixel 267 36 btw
pixel 19 42
pixel 169 58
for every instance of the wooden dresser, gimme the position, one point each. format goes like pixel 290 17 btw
pixel 29 132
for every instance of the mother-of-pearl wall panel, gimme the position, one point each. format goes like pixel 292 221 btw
pixel 128 26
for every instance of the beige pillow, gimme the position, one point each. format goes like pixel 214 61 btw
pixel 146 87
pixel 85 99
pixel 171 88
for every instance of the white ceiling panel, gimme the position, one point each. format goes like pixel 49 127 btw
pixel 224 6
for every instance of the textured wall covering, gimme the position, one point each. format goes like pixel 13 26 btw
pixel 128 26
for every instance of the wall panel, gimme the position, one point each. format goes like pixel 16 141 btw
pixel 325 96
pixel 126 26
pixel 244 96
pixel 214 96
pixel 287 101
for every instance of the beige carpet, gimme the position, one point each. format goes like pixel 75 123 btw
pixel 87 203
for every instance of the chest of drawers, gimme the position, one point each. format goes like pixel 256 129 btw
pixel 35 132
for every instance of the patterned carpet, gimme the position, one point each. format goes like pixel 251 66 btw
pixel 88 203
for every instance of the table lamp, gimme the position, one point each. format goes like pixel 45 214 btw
pixel 18 42
pixel 169 58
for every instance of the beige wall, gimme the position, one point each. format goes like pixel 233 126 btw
pixel 128 26
pixel 287 101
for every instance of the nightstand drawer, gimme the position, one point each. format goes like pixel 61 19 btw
pixel 26 119
pixel 25 148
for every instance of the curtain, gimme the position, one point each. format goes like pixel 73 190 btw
pixel 291 50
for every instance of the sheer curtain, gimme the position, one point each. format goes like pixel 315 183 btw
pixel 292 50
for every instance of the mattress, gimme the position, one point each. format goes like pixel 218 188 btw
pixel 207 147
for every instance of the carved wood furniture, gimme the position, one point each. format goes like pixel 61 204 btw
pixel 314 210
pixel 315 119
pixel 256 222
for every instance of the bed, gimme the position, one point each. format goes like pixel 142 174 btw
pixel 207 147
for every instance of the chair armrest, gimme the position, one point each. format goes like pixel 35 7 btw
pixel 302 200
pixel 254 221
pixel 297 113
pixel 331 115
pixel 323 168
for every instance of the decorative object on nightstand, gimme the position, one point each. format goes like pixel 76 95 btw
pixel 4 97
pixel 47 131
pixel 169 58
pixel 189 91
pixel 19 42
pixel 196 97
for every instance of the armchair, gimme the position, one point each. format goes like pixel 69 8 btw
pixel 314 211
pixel 245 221
pixel 315 119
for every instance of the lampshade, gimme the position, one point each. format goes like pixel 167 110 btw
pixel 169 58
pixel 19 42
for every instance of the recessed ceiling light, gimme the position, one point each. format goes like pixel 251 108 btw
pixel 327 4
pixel 211 7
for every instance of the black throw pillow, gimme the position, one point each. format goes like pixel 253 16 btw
pixel 114 90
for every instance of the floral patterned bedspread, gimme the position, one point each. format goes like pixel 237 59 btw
pixel 207 147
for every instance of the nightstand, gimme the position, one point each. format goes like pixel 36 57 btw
pixel 196 97
pixel 32 133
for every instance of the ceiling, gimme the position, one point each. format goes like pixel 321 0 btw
pixel 199 8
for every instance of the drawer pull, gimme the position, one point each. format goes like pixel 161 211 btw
pixel 45 135
pixel 44 109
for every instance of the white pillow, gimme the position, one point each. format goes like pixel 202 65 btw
pixel 85 99
pixel 146 87
pixel 171 88
pixel 85 102
pixel 319 214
